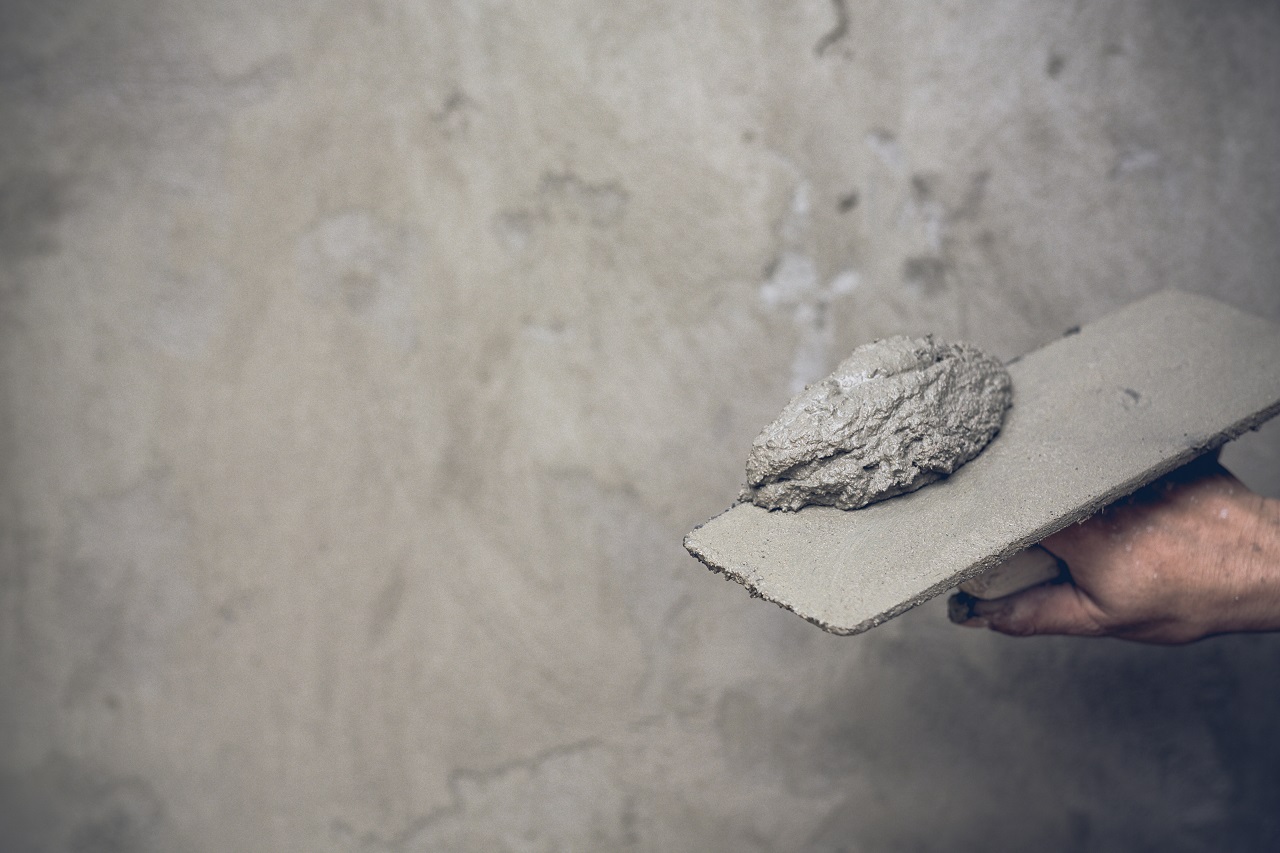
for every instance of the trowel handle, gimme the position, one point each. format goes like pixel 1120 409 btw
pixel 1023 570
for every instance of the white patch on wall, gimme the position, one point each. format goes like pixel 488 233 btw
pixel 1135 159
pixel 794 279
pixel 926 216
pixel 845 283
pixel 888 151
pixel 794 284
pixel 354 262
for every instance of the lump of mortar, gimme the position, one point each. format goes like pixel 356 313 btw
pixel 896 415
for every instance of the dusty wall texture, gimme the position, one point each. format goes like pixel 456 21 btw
pixel 363 364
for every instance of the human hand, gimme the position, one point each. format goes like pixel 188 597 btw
pixel 1191 555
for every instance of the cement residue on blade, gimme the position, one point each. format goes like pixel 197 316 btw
pixel 896 415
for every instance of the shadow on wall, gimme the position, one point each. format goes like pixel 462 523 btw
pixel 996 743
pixel 65 807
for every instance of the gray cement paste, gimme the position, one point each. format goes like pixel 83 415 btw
pixel 896 415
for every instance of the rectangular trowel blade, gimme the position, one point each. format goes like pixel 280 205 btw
pixel 1095 415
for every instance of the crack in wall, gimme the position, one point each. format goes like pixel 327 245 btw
pixel 836 33
pixel 562 197
pixel 555 800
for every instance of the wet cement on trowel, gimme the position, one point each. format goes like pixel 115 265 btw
pixel 1098 414
pixel 894 416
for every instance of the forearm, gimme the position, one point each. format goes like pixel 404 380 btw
pixel 1250 572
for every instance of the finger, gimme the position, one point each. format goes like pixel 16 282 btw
pixel 1049 609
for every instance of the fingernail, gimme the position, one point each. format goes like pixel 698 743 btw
pixel 960 608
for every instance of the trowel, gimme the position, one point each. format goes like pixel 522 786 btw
pixel 1097 414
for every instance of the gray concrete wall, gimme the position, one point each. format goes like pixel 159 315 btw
pixel 364 363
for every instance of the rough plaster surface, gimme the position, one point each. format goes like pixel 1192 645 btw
pixel 362 365
pixel 895 415
pixel 1100 413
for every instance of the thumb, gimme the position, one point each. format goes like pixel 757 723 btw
pixel 1060 608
